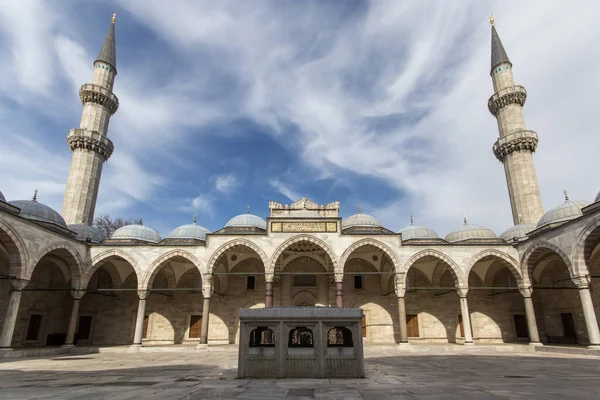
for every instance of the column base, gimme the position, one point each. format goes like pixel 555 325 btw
pixel 403 344
pixel 67 346
pixel 6 349
pixel 202 346
pixel 594 347
pixel 468 344
pixel 536 344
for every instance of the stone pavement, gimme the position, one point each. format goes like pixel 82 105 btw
pixel 211 375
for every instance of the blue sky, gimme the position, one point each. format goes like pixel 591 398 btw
pixel 225 105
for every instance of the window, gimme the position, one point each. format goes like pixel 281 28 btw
pixel 85 325
pixel 364 326
pixel 251 283
pixel 358 282
pixel 339 337
pixel 262 337
pixel 305 280
pixel 301 337
pixel 412 325
pixel 195 326
pixel 33 330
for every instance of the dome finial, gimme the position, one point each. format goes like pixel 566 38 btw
pixel 359 208
pixel 566 195
pixel 141 221
pixel 248 209
pixel 411 220
pixel 35 192
pixel 492 19
pixel 465 220
pixel 194 219
pixel 114 17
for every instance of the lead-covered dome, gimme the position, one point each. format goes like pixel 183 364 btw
pixel 470 231
pixel 87 233
pixel 519 231
pixel 246 221
pixel 361 220
pixel 413 231
pixel 564 212
pixel 35 211
pixel 137 232
pixel 190 231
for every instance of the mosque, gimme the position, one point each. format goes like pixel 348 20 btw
pixel 64 284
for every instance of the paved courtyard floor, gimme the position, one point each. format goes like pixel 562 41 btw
pixel 211 375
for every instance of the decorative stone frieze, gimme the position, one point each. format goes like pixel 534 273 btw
pixel 510 95
pixel 90 93
pixel 518 141
pixel 90 140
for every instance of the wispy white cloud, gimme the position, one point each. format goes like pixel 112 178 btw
pixel 284 189
pixel 226 183
pixel 204 204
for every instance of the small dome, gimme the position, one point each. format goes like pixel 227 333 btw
pixel 246 221
pixel 564 212
pixel 519 231
pixel 35 211
pixel 85 232
pixel 304 213
pixel 2 198
pixel 191 231
pixel 361 220
pixel 413 231
pixel 470 231
pixel 137 232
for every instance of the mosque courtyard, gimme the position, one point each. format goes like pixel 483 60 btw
pixel 389 375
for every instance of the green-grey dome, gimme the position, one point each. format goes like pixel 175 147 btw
pixel 519 231
pixel 361 220
pixel 470 231
pixel 246 221
pixel 35 211
pixel 137 232
pixel 562 213
pixel 413 231
pixel 190 231
pixel 87 233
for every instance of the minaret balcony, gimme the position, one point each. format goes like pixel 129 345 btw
pixel 514 94
pixel 91 141
pixel 90 93
pixel 516 141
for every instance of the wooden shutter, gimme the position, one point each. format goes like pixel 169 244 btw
pixel 195 326
pixel 85 326
pixel 33 330
pixel 145 330
pixel 364 326
pixel 521 326
pixel 412 325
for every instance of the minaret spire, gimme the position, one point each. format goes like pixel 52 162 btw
pixel 516 144
pixel 89 143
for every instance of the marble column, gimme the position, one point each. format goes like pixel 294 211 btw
pixel 12 312
pixel 402 320
pixel 534 336
pixel 207 290
pixel 77 295
pixel 591 323
pixel 466 320
pixel 141 313
pixel 339 290
pixel 268 290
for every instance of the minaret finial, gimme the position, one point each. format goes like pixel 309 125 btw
pixel 465 220
pixel 359 208
pixel 194 219
pixel 141 221
pixel 492 19
pixel 566 195
pixel 114 17
pixel 248 209
pixel 35 192
pixel 411 220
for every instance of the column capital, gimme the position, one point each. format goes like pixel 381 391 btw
pixel 582 282
pixel 526 291
pixel 462 292
pixel 207 285
pixel 143 294
pixel 400 288
pixel 77 294
pixel 18 284
pixel 269 277
pixel 339 276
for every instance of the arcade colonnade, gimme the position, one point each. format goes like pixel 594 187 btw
pixel 426 294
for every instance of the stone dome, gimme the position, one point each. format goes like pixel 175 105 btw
pixel 246 221
pixel 413 231
pixel 361 220
pixel 85 232
pixel 564 212
pixel 35 211
pixel 137 232
pixel 470 231
pixel 190 231
pixel 304 213
pixel 519 231
pixel 2 198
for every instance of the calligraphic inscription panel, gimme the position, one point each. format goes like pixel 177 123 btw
pixel 304 227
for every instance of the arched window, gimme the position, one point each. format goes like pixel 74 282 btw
pixel 262 337
pixel 301 337
pixel 339 337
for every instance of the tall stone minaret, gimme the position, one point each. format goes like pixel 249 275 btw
pixel 89 144
pixel 516 145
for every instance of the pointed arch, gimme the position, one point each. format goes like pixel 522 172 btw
pixel 511 263
pixel 302 238
pixel 76 270
pixel 530 258
pixel 582 252
pixel 454 268
pixel 16 248
pixel 155 266
pixel 368 242
pixel 97 262
pixel 236 242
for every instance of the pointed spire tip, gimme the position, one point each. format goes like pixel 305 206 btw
pixel 492 19
pixel 566 195
pixel 35 192
pixel 114 17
